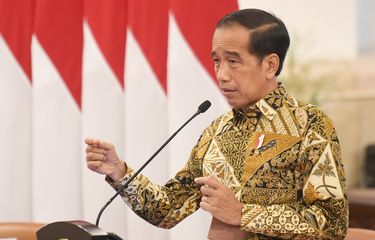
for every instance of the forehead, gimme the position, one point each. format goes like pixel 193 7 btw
pixel 231 38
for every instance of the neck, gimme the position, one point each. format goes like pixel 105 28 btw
pixel 267 90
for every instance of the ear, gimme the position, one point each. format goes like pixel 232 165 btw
pixel 272 63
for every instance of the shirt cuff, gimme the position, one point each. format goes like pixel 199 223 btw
pixel 119 183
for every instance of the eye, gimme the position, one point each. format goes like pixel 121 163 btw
pixel 232 61
pixel 216 61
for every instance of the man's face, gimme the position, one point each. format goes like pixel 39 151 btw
pixel 243 78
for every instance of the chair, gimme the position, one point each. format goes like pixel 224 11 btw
pixel 360 234
pixel 19 230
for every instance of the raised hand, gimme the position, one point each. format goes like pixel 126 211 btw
pixel 101 157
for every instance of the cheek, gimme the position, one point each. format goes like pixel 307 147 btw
pixel 247 89
pixel 245 84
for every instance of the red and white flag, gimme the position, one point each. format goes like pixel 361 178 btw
pixel 146 99
pixel 56 123
pixel 103 101
pixel 16 19
pixel 126 71
pixel 190 82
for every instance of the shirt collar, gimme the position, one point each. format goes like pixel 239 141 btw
pixel 268 105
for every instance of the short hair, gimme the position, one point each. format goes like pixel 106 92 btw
pixel 268 33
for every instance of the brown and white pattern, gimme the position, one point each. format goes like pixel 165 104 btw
pixel 281 159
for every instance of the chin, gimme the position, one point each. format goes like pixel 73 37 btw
pixel 236 105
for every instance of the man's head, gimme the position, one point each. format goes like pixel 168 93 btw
pixel 268 33
pixel 248 48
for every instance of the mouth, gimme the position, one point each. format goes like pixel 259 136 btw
pixel 226 91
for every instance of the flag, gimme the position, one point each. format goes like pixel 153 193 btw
pixel 56 130
pixel 146 99
pixel 16 18
pixel 130 72
pixel 190 82
pixel 104 25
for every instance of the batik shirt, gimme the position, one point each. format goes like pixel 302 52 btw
pixel 280 157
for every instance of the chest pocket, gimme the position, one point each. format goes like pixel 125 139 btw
pixel 268 171
pixel 269 147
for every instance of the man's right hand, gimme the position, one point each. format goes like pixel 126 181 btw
pixel 101 157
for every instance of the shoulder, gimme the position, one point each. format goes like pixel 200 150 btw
pixel 219 122
pixel 311 117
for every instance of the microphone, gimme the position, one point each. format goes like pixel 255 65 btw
pixel 201 109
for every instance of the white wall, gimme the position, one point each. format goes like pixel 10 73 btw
pixel 366 27
pixel 328 28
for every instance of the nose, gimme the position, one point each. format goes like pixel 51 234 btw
pixel 222 73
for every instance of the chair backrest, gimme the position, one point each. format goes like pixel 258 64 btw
pixel 360 234
pixel 20 230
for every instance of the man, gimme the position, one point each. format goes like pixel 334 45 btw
pixel 269 169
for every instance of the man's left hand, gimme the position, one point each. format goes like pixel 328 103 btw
pixel 219 200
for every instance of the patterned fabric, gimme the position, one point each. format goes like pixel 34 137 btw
pixel 281 158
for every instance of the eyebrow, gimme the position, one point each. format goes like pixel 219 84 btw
pixel 229 53
pixel 232 53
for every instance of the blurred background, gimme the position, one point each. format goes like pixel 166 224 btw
pixel 131 72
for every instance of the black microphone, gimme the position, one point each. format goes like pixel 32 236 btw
pixel 201 109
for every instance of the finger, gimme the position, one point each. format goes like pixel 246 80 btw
pixel 93 165
pixel 92 141
pixel 205 206
pixel 100 144
pixel 106 145
pixel 207 190
pixel 95 157
pixel 200 180
pixel 209 181
pixel 96 150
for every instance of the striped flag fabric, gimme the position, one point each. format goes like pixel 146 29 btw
pixel 190 82
pixel 105 24
pixel 16 23
pixel 146 98
pixel 56 111
pixel 126 71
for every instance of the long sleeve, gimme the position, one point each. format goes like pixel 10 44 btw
pixel 320 210
pixel 162 206
pixel 282 160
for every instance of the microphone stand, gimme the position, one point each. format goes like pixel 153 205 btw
pixel 201 109
pixel 81 230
